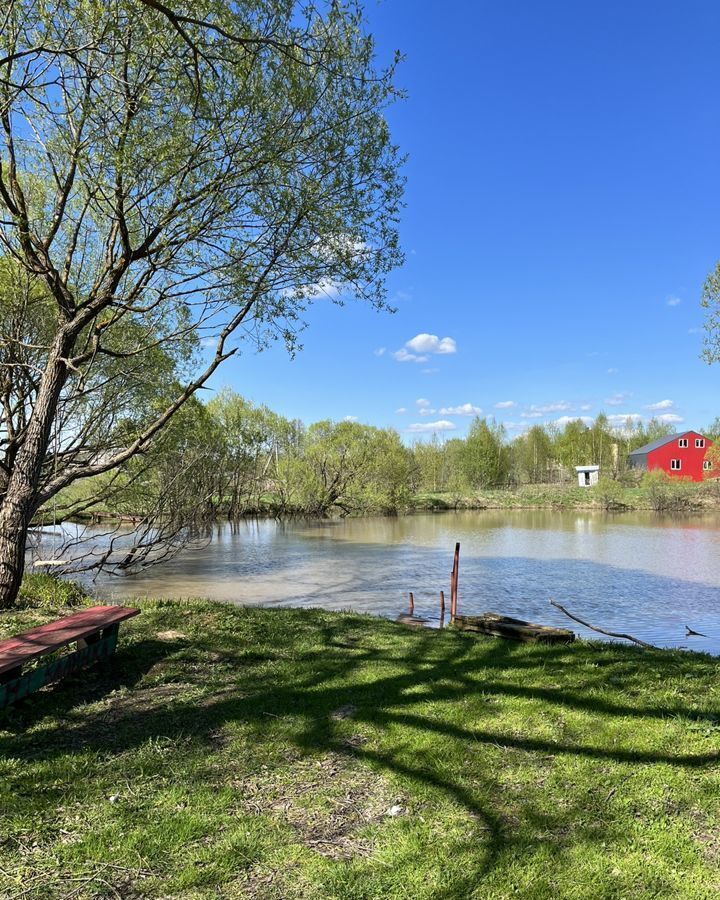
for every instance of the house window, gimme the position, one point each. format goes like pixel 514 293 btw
pixel 707 465
pixel 676 464
pixel 699 442
pixel 683 442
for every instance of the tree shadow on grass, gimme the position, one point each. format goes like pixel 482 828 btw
pixel 125 669
pixel 433 688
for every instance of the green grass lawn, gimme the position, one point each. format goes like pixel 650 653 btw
pixel 256 753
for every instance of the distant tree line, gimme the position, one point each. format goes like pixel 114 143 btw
pixel 231 458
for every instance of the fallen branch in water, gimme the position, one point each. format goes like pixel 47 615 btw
pixel 615 634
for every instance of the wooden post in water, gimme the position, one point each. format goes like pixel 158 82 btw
pixel 411 604
pixel 454 583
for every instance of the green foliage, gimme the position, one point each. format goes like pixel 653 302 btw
pixel 245 444
pixel 610 492
pixel 532 455
pixel 41 590
pixel 352 468
pixel 665 493
pixel 130 381
pixel 712 431
pixel 711 304
pixel 485 458
pixel 572 447
pixel 431 464
pixel 639 433
pixel 194 175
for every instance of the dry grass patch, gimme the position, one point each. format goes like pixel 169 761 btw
pixel 330 803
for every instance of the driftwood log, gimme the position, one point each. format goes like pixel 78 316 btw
pixel 515 629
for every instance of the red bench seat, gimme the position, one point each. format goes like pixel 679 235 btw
pixel 94 630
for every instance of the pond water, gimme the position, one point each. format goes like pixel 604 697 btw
pixel 637 573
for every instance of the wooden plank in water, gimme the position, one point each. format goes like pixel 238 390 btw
pixel 516 629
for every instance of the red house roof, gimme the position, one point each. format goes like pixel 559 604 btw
pixel 660 442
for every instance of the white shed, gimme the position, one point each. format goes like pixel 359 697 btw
pixel 587 475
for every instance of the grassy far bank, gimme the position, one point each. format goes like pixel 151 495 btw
pixel 662 495
pixel 254 753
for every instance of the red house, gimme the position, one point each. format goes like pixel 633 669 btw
pixel 681 455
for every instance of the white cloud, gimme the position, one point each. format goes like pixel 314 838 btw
pixel 380 351
pixel 327 250
pixel 465 409
pixel 400 410
pixel 616 399
pixel 661 404
pixel 613 371
pixel 430 371
pixel 440 425
pixel 419 348
pixel 403 356
pixel 559 406
pixel 671 418
pixel 424 407
pixel 694 330
pixel 535 412
pixel 673 301
pixel 350 419
pixel 325 289
pixel 619 420
pixel 505 404
pixel 584 407
pixel 431 343
pixel 563 420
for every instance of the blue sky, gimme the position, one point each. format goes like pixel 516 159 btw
pixel 563 211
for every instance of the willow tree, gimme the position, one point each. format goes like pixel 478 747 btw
pixel 175 178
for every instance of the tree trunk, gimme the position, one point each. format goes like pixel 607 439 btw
pixel 20 502
pixel 13 536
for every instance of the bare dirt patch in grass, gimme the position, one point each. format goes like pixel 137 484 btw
pixel 171 635
pixel 328 802
pixel 707 838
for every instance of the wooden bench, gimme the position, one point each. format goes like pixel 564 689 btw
pixel 93 630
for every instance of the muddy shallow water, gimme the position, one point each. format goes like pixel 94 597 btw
pixel 636 572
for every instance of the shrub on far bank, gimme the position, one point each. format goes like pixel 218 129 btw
pixel 610 493
pixel 41 590
pixel 667 494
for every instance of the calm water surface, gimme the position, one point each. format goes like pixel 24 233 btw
pixel 633 572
